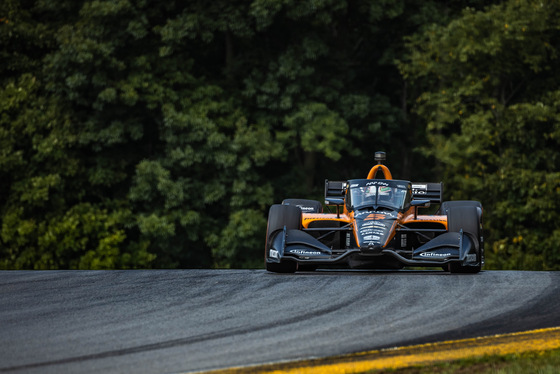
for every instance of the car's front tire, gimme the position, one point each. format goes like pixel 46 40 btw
pixel 465 217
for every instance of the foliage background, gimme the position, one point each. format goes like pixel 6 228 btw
pixel 147 134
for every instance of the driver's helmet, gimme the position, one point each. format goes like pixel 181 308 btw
pixel 369 192
pixel 385 194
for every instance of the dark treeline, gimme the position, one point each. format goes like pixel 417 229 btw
pixel 155 134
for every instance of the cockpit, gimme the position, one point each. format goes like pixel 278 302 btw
pixel 392 194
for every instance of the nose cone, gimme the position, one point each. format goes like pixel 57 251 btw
pixel 373 229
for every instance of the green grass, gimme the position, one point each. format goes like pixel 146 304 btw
pixel 547 362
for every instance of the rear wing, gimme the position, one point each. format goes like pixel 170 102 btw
pixel 428 191
pixel 334 192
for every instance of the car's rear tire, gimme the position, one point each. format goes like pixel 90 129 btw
pixel 465 217
pixel 280 216
pixel 306 206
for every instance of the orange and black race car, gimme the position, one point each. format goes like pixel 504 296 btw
pixel 375 224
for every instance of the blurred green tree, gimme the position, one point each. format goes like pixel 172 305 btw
pixel 137 133
pixel 490 101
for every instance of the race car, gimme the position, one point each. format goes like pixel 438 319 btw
pixel 375 223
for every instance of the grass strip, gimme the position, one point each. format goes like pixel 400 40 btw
pixel 417 355
pixel 542 362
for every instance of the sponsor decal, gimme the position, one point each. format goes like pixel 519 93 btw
pixel 306 208
pixel 420 189
pixel 368 231
pixel 304 252
pixel 371 237
pixel 273 253
pixel 377 183
pixel 403 240
pixel 432 254
pixel 320 216
pixel 354 185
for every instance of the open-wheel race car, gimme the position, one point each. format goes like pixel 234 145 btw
pixel 375 224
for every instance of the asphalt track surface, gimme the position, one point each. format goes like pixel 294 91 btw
pixel 178 321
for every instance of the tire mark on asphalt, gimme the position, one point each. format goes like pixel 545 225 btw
pixel 181 341
pixel 178 312
pixel 542 312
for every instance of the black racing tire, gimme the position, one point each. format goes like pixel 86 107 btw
pixel 307 267
pixel 278 217
pixel 465 217
pixel 306 206
pixel 286 266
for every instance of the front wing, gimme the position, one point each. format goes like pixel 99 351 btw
pixel 299 246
